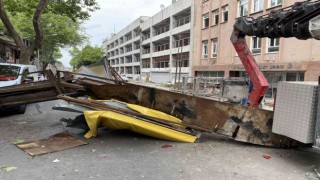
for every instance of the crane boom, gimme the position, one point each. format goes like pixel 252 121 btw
pixel 302 20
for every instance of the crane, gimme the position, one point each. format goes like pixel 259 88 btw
pixel 301 20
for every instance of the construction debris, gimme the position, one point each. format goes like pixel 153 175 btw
pixel 57 142
pixel 196 113
pixel 120 115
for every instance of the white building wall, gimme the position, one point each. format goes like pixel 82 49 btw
pixel 151 24
pixel 162 75
pixel 113 59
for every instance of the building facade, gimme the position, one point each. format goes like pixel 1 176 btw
pixel 156 47
pixel 284 59
pixel 123 49
pixel 9 51
pixel 166 45
pixel 192 38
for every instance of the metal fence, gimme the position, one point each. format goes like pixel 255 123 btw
pixel 223 89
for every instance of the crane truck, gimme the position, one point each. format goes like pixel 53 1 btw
pixel 301 20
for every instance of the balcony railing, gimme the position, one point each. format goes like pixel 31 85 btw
pixel 162 30
pixel 129 71
pixel 135 34
pixel 182 21
pixel 184 63
pixel 183 42
pixel 161 64
pixel 136 46
pixel 137 71
pixel 128 49
pixel 137 59
pixel 128 38
pixel 145 65
pixel 129 61
pixel 146 51
pixel 161 47
pixel 145 37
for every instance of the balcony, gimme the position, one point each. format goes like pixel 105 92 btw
pixel 146 51
pixel 161 30
pixel 161 47
pixel 181 42
pixel 161 66
pixel 136 34
pixel 145 37
pixel 182 21
pixel 128 49
pixel 182 63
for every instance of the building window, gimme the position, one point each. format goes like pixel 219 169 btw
pixel 242 8
pixel 256 45
pixel 216 17
pixel 204 49
pixel 209 73
pixel 214 47
pixel 225 13
pixel 206 20
pixel 273 3
pixel 257 5
pixel 273 45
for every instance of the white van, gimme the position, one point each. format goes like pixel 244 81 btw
pixel 13 74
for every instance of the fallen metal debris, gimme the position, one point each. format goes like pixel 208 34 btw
pixel 57 142
pixel 238 122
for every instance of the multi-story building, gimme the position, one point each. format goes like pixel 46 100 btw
pixel 196 35
pixel 123 49
pixel 284 59
pixel 165 44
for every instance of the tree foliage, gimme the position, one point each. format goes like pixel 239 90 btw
pixel 37 20
pixel 86 56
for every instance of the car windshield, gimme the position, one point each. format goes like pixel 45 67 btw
pixel 8 73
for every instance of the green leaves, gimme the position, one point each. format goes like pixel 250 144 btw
pixel 60 23
pixel 88 55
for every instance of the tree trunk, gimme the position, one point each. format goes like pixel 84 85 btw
pixel 25 55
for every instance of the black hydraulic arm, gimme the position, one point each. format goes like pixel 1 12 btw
pixel 293 21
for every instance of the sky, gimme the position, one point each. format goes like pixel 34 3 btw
pixel 115 15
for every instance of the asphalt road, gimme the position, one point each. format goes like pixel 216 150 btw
pixel 126 155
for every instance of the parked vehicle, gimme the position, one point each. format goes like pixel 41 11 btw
pixel 13 74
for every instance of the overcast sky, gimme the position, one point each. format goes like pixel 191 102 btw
pixel 118 14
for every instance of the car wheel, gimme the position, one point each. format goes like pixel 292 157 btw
pixel 22 109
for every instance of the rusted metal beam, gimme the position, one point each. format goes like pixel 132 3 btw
pixel 253 126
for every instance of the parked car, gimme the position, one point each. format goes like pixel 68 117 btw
pixel 14 74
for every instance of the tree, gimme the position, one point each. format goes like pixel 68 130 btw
pixel 88 55
pixel 76 10
pixel 60 31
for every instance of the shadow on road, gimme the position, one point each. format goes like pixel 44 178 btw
pixel 6 113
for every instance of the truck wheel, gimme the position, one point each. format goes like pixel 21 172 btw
pixel 22 109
